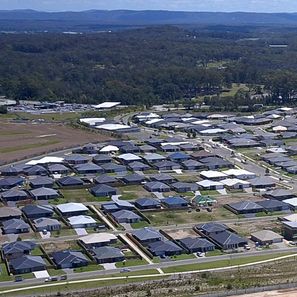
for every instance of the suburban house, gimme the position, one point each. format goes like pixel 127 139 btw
pixel 167 165
pixel 192 165
pixel 102 159
pixel 108 254
pixel 244 207
pixel 211 228
pixel 35 170
pixel 263 182
pixel 279 194
pixel 163 177
pixel 155 186
pixel 133 179
pixel 69 259
pixel 58 169
pixel 14 195
pixel 178 157
pixel 235 183
pixel 7 213
pixel 147 235
pixel 27 264
pixel 102 190
pixel 41 181
pixel 196 244
pixel 227 240
pixel 213 175
pixel 33 211
pixel 47 224
pixel 72 209
pixel 147 203
pixel 266 237
pixel 10 182
pixel 174 202
pixel 106 179
pixel 182 187
pixel 210 185
pixel 163 248
pixel 70 181
pixel 289 230
pixel 126 216
pixel 44 193
pixel 138 166
pixel 75 159
pixel 271 205
pixel 15 226
pixel 113 167
pixel 88 168
pixel 82 221
pixel 17 249
pixel 240 174
pixel 94 240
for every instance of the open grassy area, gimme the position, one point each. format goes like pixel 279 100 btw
pixel 140 225
pixel 3 273
pixel 78 195
pixel 222 263
pixel 63 232
pixel 133 192
pixel 235 88
pixel 55 272
pixel 183 257
pixel 130 262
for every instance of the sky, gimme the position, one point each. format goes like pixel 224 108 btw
pixel 185 5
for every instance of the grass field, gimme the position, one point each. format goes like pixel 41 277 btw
pixel 78 195
pixel 91 267
pixel 235 88
pixel 131 262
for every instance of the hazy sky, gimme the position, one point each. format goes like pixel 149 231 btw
pixel 190 5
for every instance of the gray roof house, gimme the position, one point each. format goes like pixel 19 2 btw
pixel 27 264
pixel 279 194
pixel 58 169
pixel 263 182
pixel 17 249
pixel 102 190
pixel 88 168
pixel 108 254
pixel 33 211
pixel 147 203
pixel 126 216
pixel 102 159
pixel 192 165
pixel 196 244
pixel 112 167
pixel 182 187
pixel 14 195
pixel 41 181
pixel 138 166
pixel 48 224
pixel 266 237
pixel 147 235
pixel 10 182
pixel 44 193
pixel 70 181
pixel 164 248
pixel 133 179
pixel 272 205
pixel 156 186
pixel 151 158
pixel 228 240
pixel 244 207
pixel 15 226
pixel 35 170
pixel 69 259
pixel 106 179
pixel 163 177
pixel 7 213
pixel 211 228
pixel 76 159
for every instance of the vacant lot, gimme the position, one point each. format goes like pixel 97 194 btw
pixel 21 140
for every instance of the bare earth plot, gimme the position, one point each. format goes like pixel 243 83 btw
pixel 18 140
pixel 279 293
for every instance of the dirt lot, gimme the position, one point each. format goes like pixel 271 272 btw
pixel 21 140
pixel 59 246
pixel 280 293
pixel 182 233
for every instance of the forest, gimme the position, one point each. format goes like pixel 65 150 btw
pixel 159 64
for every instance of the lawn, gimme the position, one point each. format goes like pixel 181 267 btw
pixel 3 273
pixel 55 272
pixel 216 252
pixel 131 262
pixel 183 257
pixel 91 267
pixel 132 192
pixel 222 263
pixel 63 232
pixel 235 88
pixel 78 195
pixel 140 225
pixel 209 192
pixel 37 252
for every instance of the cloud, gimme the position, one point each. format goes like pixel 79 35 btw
pixel 188 5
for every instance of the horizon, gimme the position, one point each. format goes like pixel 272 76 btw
pixel 256 6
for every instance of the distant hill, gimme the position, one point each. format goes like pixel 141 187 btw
pixel 89 20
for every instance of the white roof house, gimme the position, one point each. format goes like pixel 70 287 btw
pixel 232 182
pixel 98 238
pixel 71 207
pixel 291 218
pixel 207 184
pixel 212 131
pixel 92 121
pixel 212 174
pixel 291 201
pixel 240 173
pixel 153 121
pixel 279 129
pixel 46 160
pixel 129 157
pixel 105 105
pixel 109 148
pixel 81 220
pixel 112 127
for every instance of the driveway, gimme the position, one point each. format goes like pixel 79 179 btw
pixel 41 274
pixel 109 266
pixel 222 192
pixel 81 231
pixel 159 195
pixel 45 236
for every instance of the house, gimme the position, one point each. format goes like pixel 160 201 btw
pixel 213 175
pixel 102 159
pixel 35 170
pixel 244 207
pixel 14 195
pixel 202 154
pixel 211 228
pixel 82 221
pixel 189 147
pixel 105 179
pixel 94 240
pixel 44 193
pixel 108 254
pixel 88 168
pixel 15 226
pixel 129 148
pixel 227 240
pixel 279 194
pixel 266 237
pixel 164 248
pixel 178 157
pixel 13 170
pixel 156 186
pixel 69 259
pixel 147 235
pixel 110 207
pixel 127 158
pixel 196 244
pixel 138 166
pixel 192 165
pixel 33 211
pixel 263 182
pixel 70 181
pixel 289 230
pixel 210 185
pixel 147 203
pixel 167 165
pixel 72 209
pixel 41 181
pixel 151 158
pixel 58 169
pixel 48 224
pixel 213 163
pixel 126 216
pixel 271 205
pixel 17 249
pixel 169 148
pixel 7 213
pixel 133 179
pixel 112 167
pixel 88 149
pixel 10 182
pixel 235 183
pixel 174 202
pixel 75 159
pixel 240 174
pixel 109 149
pixel 182 187
pixel 146 148
pixel 102 190
pixel 163 177
pixel 27 264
